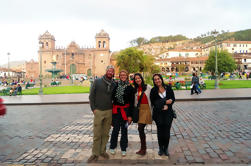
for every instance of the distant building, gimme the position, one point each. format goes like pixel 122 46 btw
pixel 32 69
pixel 240 51
pixel 236 46
pixel 174 53
pixel 158 48
pixel 182 64
pixel 12 73
pixel 74 59
pixel 243 61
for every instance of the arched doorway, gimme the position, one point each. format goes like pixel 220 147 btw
pixel 73 69
pixel 89 72
pixel 186 69
pixel 167 69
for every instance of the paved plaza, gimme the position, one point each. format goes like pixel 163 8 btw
pixel 180 95
pixel 205 132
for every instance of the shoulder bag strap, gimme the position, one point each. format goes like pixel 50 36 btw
pixel 140 98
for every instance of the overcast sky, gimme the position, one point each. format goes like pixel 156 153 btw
pixel 22 21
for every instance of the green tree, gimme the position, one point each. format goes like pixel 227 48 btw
pixel 225 62
pixel 134 60
pixel 130 59
pixel 148 65
pixel 165 39
pixel 138 41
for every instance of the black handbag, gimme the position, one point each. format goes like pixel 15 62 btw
pixel 174 114
pixel 135 114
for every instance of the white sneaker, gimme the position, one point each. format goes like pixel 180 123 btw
pixel 123 153
pixel 112 151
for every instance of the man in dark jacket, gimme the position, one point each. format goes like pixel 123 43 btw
pixel 195 84
pixel 101 105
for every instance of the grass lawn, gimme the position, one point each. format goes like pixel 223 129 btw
pixel 224 84
pixel 229 84
pixel 57 90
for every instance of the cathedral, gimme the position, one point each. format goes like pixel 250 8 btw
pixel 74 59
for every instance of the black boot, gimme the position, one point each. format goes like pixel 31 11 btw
pixel 161 150
pixel 166 151
pixel 142 150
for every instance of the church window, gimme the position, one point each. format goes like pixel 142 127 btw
pixel 99 44
pixel 104 45
pixel 102 61
pixel 44 62
pixel 72 55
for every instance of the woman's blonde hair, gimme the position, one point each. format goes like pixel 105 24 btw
pixel 124 71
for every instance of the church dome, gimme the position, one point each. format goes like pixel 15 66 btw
pixel 46 35
pixel 102 33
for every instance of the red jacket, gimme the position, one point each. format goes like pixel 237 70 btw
pixel 2 108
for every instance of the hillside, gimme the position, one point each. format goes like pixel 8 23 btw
pixel 244 35
pixel 13 64
pixel 160 44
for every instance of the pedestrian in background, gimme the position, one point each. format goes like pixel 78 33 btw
pixel 145 109
pixel 101 105
pixel 162 98
pixel 195 84
pixel 121 112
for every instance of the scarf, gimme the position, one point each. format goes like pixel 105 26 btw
pixel 108 82
pixel 120 91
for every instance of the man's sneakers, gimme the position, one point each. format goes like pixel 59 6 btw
pixel 92 158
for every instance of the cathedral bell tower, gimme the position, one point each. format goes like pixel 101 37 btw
pixel 46 47
pixel 102 53
pixel 102 40
pixel 47 41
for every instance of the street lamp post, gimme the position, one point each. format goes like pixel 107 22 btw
pixel 216 85
pixel 8 67
pixel 71 66
pixel 65 62
pixel 40 75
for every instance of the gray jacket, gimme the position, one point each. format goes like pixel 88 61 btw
pixel 101 94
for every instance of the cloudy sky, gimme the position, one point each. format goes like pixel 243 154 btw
pixel 22 21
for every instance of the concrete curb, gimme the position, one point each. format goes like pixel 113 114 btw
pixel 87 102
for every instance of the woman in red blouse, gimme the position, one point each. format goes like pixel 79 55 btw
pixel 145 109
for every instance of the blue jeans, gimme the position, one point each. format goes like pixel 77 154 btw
pixel 197 88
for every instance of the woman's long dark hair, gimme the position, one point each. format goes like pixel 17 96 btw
pixel 159 75
pixel 143 85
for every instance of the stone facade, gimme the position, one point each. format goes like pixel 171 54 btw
pixel 182 64
pixel 32 69
pixel 74 59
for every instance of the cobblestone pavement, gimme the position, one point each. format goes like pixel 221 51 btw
pixel 215 132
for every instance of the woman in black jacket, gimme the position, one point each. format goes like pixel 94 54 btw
pixel 162 99
pixel 121 112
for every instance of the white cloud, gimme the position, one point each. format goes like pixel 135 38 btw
pixel 21 22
